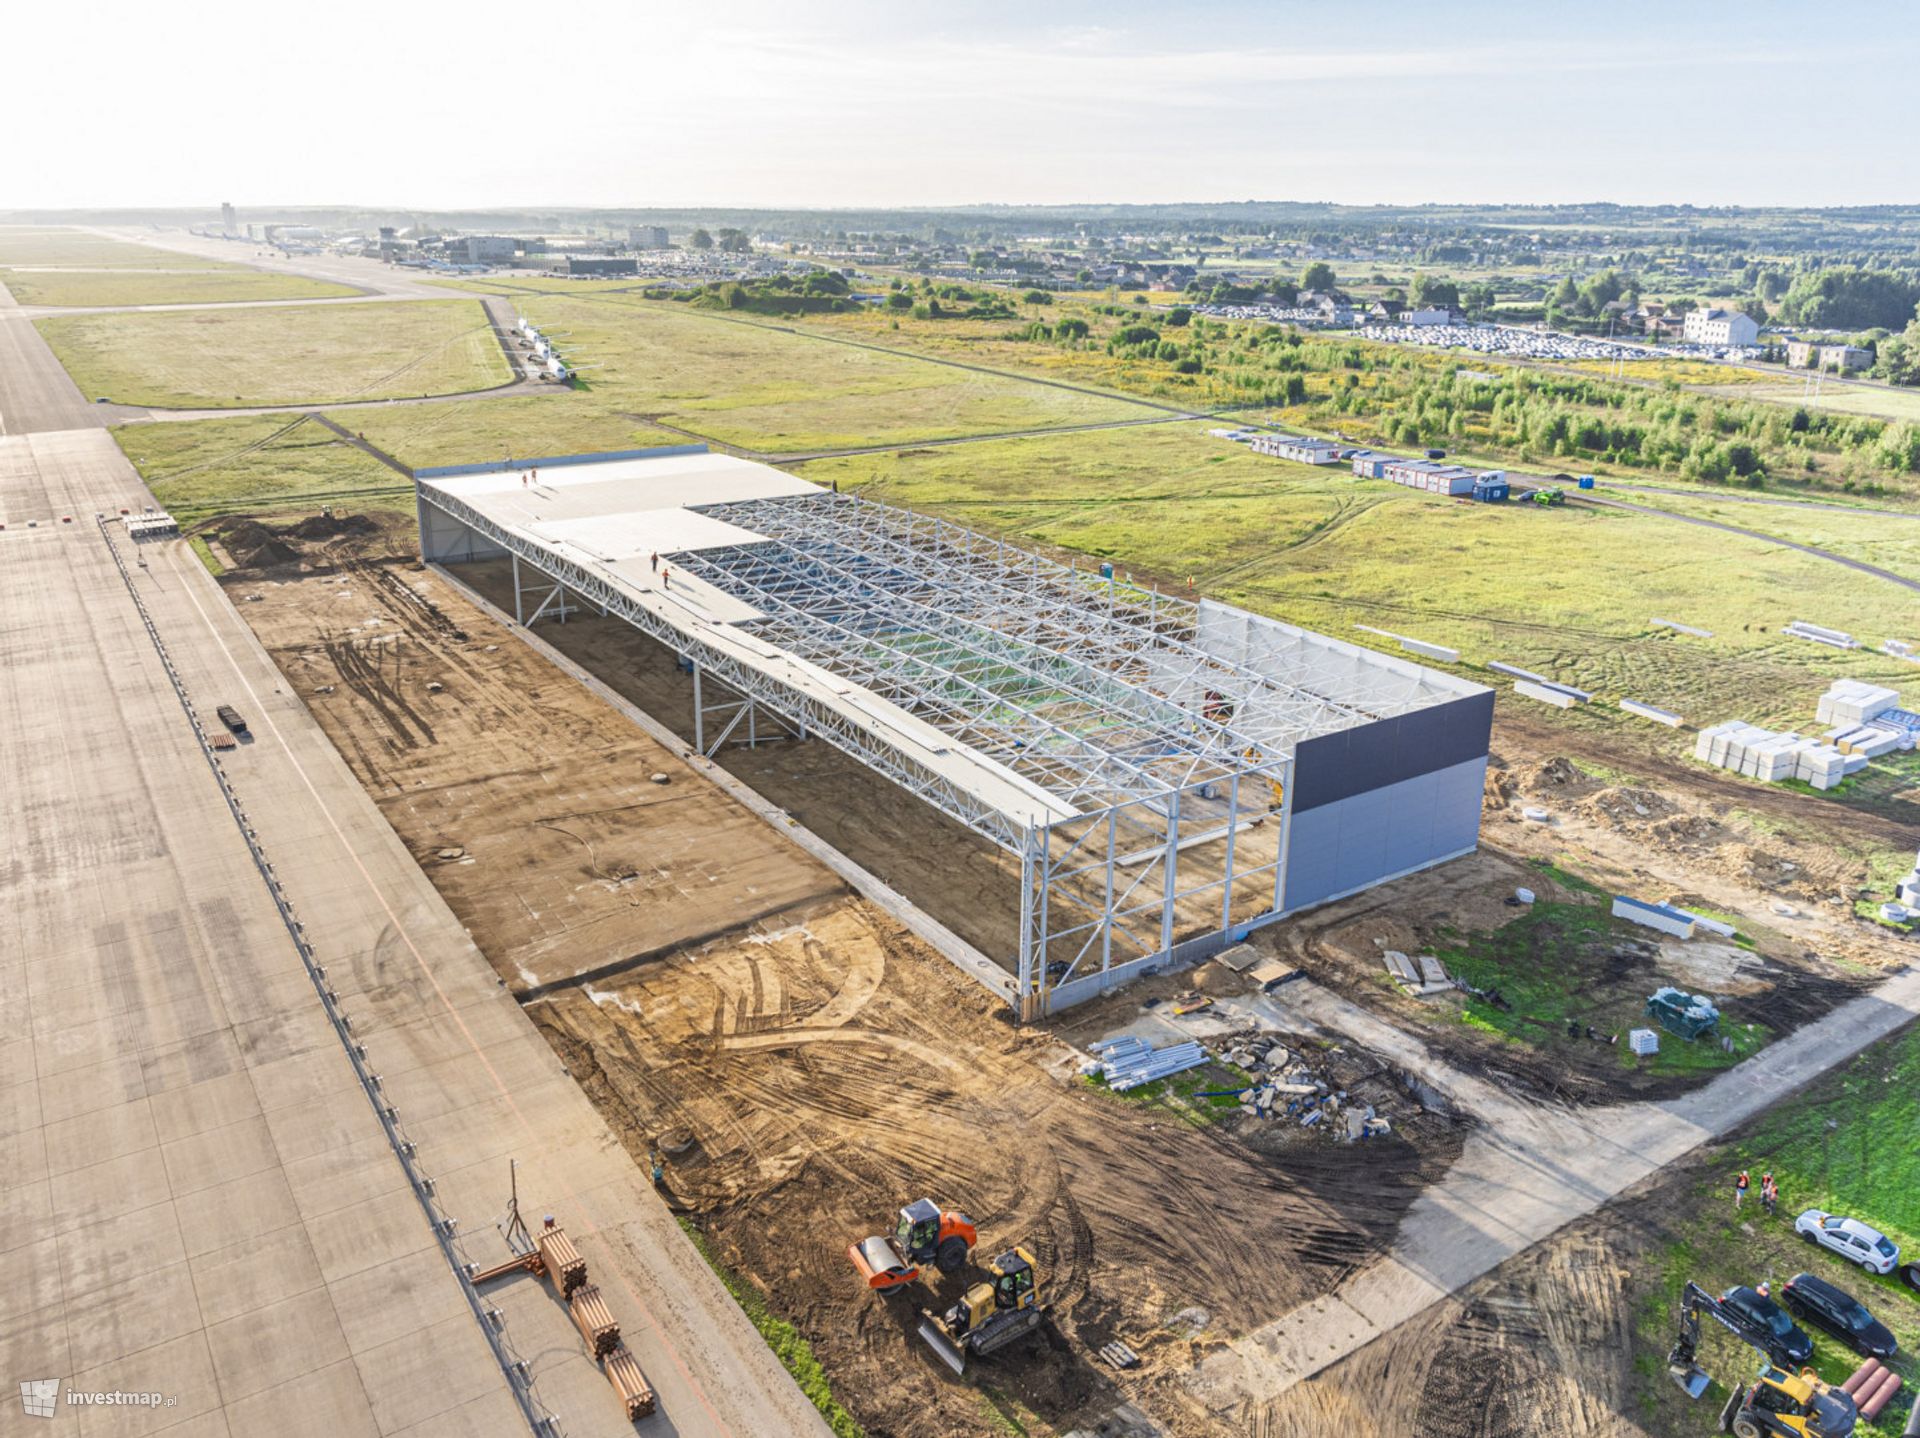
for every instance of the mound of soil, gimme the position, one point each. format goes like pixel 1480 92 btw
pixel 1555 773
pixel 330 526
pixel 252 545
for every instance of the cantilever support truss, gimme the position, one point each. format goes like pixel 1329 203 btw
pixel 553 599
pixel 731 711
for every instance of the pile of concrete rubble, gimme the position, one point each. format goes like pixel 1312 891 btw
pixel 1285 1088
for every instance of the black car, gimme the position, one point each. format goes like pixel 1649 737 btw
pixel 1760 1321
pixel 1840 1313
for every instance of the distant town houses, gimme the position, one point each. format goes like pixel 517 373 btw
pixel 1816 354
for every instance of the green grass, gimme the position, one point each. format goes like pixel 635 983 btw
pixel 1546 963
pixel 762 386
pixel 548 422
pixel 308 354
pixel 256 464
pixel 113 287
pixel 1889 541
pixel 1606 775
pixel 1841 398
pixel 1866 1166
pixel 205 555
pixel 60 245
pixel 793 1351
pixel 1885 869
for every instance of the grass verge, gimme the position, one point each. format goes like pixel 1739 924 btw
pixel 793 1351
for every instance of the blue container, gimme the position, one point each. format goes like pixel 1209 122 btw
pixel 1586 481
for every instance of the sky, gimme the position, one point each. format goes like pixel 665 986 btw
pixel 843 103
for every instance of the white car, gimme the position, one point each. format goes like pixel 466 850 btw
pixel 1850 1238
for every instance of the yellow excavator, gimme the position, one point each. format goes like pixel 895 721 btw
pixel 1777 1404
pixel 990 1315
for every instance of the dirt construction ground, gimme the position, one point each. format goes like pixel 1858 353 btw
pixel 803 1062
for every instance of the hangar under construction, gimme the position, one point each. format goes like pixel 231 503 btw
pixel 1167 774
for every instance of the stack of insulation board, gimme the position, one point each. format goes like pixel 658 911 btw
pixel 1868 739
pixel 1820 634
pixel 1853 702
pixel 1762 754
pixel 1665 918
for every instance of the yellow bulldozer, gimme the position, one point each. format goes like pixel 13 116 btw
pixel 990 1315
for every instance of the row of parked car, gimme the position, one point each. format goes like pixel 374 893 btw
pixel 1766 1320
pixel 1758 1317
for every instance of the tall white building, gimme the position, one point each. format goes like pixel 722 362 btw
pixel 1727 328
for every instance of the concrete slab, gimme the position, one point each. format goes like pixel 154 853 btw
pixel 211 1207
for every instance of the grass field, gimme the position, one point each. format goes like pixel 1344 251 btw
pixel 1849 1144
pixel 257 464
pixel 556 421
pixel 162 287
pixel 765 388
pixel 1564 591
pixel 1840 398
pixel 311 354
pixel 1892 542
pixel 1541 963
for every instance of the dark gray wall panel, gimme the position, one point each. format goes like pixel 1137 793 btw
pixel 1338 766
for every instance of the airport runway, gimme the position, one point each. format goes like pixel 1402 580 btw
pixel 383 280
pixel 204 1202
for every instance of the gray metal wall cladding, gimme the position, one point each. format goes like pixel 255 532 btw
pixel 1345 846
pixel 1385 798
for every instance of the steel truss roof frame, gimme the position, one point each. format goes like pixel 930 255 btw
pixel 812 717
pixel 1141 643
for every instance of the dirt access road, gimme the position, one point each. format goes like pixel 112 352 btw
pixel 809 1065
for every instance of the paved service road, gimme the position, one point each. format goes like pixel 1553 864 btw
pixel 1529 1172
pixel 35 394
pixel 203 1201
